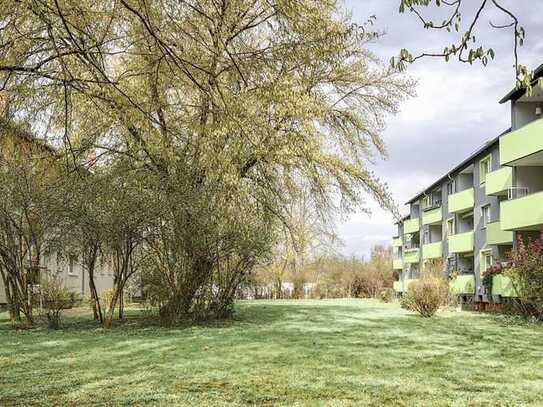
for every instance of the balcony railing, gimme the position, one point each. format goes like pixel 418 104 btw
pixel 411 256
pixel 411 226
pixel 523 142
pixel 517 192
pixel 433 216
pixel 432 250
pixel 498 182
pixel 462 201
pixel 433 205
pixel 522 213
pixel 461 242
pixel 496 235
pixel 502 285
pixel 462 284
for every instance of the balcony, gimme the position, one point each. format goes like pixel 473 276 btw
pixel 462 284
pixel 498 182
pixel 496 235
pixel 411 256
pixel 461 201
pixel 523 146
pixel 525 213
pixel 411 226
pixel 432 216
pixel 397 264
pixel 502 285
pixel 432 250
pixel 396 242
pixel 461 242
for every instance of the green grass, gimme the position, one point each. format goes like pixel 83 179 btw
pixel 330 352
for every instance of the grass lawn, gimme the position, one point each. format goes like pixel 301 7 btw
pixel 329 352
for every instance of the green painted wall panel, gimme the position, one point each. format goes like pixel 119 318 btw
pixel 461 201
pixel 499 181
pixel 463 284
pixel 411 226
pixel 496 235
pixel 522 213
pixel 461 243
pixel 432 216
pixel 502 285
pixel 522 142
pixel 432 250
pixel 411 256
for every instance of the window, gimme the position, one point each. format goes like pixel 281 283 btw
pixel 485 216
pixel 71 266
pixel 426 237
pixel 450 226
pixel 484 168
pixel 450 188
pixel 486 260
pixel 427 201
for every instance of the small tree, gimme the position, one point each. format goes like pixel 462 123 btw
pixel 429 292
pixel 54 298
pixel 526 272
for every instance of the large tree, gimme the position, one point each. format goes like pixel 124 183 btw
pixel 228 108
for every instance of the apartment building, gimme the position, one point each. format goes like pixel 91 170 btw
pixel 472 215
pixel 15 141
pixel 73 276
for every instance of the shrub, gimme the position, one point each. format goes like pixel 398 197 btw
pixel 54 299
pixel 387 295
pixel 488 276
pixel 526 273
pixel 426 295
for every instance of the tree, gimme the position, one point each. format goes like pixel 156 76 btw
pixel 466 48
pixel 29 212
pixel 223 109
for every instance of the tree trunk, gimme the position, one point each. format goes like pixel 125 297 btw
pixel 96 308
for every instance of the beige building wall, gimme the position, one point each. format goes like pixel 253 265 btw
pixel 73 276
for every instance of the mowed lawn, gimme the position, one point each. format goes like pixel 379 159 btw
pixel 327 352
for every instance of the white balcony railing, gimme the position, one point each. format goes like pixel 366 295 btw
pixel 517 192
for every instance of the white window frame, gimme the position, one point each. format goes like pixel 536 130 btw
pixel 453 222
pixel 486 253
pixel 487 164
pixel 485 219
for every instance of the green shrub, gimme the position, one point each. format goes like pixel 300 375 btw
pixel 54 299
pixel 426 295
pixel 526 273
pixel 387 295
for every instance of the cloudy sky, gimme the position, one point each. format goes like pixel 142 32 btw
pixel 455 111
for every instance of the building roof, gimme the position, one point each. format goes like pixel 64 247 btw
pixel 475 154
pixel 516 93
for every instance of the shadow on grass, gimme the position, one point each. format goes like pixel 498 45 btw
pixel 271 352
